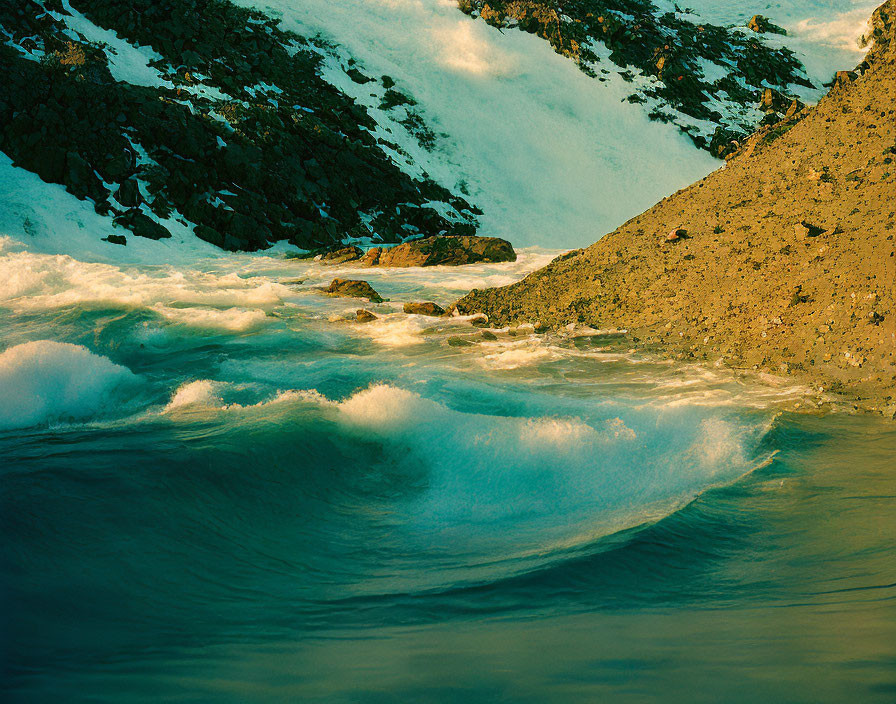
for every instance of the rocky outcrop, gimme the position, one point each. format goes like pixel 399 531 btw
pixel 431 251
pixel 763 25
pixel 424 308
pixel 789 261
pixel 444 251
pixel 351 288
pixel 342 255
pixel 232 129
pixel 364 316
pixel 674 48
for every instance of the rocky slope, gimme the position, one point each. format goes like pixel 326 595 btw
pixel 210 113
pixel 782 261
pixel 715 83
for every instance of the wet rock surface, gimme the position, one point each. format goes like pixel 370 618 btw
pixel 424 308
pixel 446 251
pixel 353 288
pixel 431 251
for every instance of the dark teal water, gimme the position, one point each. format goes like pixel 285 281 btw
pixel 215 488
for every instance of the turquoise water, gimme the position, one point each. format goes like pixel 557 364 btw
pixel 218 487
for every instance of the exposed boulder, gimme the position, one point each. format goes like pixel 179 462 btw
pixel 426 308
pixel 351 288
pixel 364 316
pixel 128 194
pixel 676 234
pixel 142 225
pixel 447 251
pixel 763 25
pixel 372 256
pixel 805 229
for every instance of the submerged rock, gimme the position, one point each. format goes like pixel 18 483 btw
pixel 446 251
pixel 350 288
pixel 427 308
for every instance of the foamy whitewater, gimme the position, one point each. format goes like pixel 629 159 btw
pixel 217 485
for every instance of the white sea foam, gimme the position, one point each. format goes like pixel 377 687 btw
pixel 507 356
pixel 228 319
pixel 199 393
pixel 45 382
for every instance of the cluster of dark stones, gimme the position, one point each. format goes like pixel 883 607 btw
pixel 665 45
pixel 298 164
pixel 456 250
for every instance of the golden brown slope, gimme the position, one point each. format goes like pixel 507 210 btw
pixel 749 284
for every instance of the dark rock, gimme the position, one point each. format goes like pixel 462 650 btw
pixel 116 239
pixel 724 142
pixel 488 335
pixel 79 177
pixel 119 167
pixel 424 308
pixel 805 229
pixel 217 238
pixel 364 316
pixel 457 341
pixel 357 76
pixel 350 288
pixel 128 194
pixel 142 225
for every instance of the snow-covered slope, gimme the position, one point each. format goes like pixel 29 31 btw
pixel 550 155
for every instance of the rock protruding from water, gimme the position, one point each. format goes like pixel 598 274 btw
pixel 352 288
pixel 447 251
pixel 424 308
pixel 442 250
pixel 763 25
pixel 364 316
pixel 345 254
